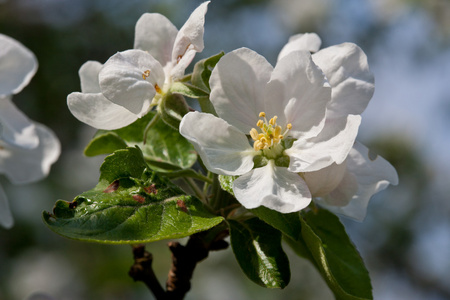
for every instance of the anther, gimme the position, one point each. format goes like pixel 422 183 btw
pixel 254 134
pixel 289 126
pixel 260 123
pixel 158 89
pixel 262 114
pixel 273 121
pixel 146 74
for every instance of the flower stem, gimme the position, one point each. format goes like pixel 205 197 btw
pixel 150 125
pixel 198 192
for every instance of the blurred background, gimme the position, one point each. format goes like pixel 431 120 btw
pixel 405 239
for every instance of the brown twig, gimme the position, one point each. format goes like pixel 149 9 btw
pixel 184 261
pixel 142 270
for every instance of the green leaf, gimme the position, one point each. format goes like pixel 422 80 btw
pixel 165 149
pixel 104 142
pixel 202 71
pixel 288 224
pixel 334 255
pixel 131 204
pixel 257 247
pixel 226 183
pixel 200 78
pixel 188 90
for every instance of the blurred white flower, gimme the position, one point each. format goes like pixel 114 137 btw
pixel 131 82
pixel 27 148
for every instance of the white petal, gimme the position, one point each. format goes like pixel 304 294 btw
pixel 332 145
pixel 342 194
pixel 299 91
pixel 122 80
pixel 237 87
pixel 325 180
pixel 190 36
pixel 156 34
pixel 177 70
pixel 347 71
pixel 28 165
pixel 6 219
pixel 15 127
pixel 273 187
pixel 223 148
pixel 89 76
pixel 372 174
pixel 17 66
pixel 307 41
pixel 98 112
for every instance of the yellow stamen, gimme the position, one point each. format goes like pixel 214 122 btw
pixel 254 134
pixel 271 133
pixel 273 121
pixel 158 89
pixel 277 130
pixel 146 74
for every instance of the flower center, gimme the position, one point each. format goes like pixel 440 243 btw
pixel 269 134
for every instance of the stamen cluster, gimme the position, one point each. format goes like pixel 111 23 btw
pixel 271 133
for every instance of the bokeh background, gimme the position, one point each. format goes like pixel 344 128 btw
pixel 405 239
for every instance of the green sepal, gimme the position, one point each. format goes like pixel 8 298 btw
pixel 165 148
pixel 172 109
pixel 202 71
pixel 226 183
pixel 257 248
pixel 326 244
pixel 131 204
pixel 188 90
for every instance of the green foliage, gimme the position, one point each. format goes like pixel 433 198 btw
pixel 257 247
pixel 172 108
pixel 200 78
pixel 226 183
pixel 202 71
pixel 164 148
pixel 326 244
pixel 288 224
pixel 189 90
pixel 131 204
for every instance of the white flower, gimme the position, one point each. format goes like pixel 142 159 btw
pixel 27 149
pixel 347 188
pixel 17 66
pixel 131 82
pixel 295 96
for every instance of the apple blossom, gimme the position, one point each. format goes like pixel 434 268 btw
pixel 131 82
pixel 346 188
pixel 246 91
pixel 27 148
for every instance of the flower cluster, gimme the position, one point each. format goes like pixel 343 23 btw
pixel 131 82
pixel 27 148
pixel 286 132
